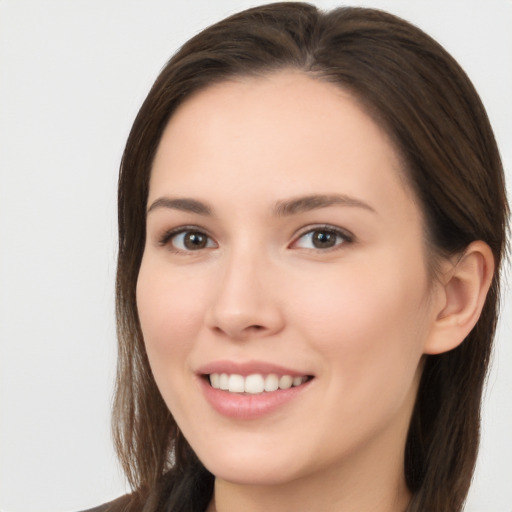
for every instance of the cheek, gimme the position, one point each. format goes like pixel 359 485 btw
pixel 368 321
pixel 170 307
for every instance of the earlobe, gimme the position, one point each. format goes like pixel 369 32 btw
pixel 464 290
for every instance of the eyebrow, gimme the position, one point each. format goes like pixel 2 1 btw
pixel 285 208
pixel 184 204
pixel 313 202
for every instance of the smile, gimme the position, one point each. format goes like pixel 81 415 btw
pixel 255 383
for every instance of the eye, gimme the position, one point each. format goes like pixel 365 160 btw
pixel 186 240
pixel 322 238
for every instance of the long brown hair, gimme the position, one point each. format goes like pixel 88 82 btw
pixel 413 88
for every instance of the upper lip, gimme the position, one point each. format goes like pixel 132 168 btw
pixel 245 368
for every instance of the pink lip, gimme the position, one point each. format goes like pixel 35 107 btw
pixel 247 368
pixel 245 406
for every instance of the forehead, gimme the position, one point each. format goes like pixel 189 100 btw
pixel 275 135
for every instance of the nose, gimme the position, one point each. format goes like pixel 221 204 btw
pixel 245 302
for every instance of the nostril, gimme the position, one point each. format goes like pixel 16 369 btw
pixel 248 329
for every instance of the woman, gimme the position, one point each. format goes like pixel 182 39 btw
pixel 312 218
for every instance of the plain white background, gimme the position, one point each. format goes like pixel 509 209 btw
pixel 72 76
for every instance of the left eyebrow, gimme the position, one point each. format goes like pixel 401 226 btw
pixel 184 204
pixel 303 204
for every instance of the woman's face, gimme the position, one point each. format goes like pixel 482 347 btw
pixel 284 248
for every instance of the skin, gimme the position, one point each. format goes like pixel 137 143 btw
pixel 357 316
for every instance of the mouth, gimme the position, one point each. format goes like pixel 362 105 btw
pixel 251 390
pixel 254 384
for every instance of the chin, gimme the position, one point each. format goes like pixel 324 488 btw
pixel 243 470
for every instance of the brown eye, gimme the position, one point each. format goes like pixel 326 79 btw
pixel 322 238
pixel 190 240
pixel 194 241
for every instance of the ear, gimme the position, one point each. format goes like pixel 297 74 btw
pixel 462 290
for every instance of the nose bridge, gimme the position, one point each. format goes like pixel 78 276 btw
pixel 245 301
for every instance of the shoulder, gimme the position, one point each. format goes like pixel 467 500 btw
pixel 121 504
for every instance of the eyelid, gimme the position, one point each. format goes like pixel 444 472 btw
pixel 169 234
pixel 347 236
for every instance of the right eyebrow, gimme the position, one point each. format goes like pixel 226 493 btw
pixel 183 204
pixel 316 201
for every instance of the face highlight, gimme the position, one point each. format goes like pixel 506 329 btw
pixel 283 293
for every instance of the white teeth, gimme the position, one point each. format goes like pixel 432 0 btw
pixel 236 384
pixel 285 382
pixel 255 383
pixel 224 381
pixel 297 381
pixel 271 382
pixel 215 380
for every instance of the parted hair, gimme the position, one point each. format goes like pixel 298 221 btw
pixel 422 98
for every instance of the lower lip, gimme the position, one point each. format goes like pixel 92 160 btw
pixel 247 406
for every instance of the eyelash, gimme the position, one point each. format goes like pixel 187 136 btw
pixel 345 236
pixel 167 237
